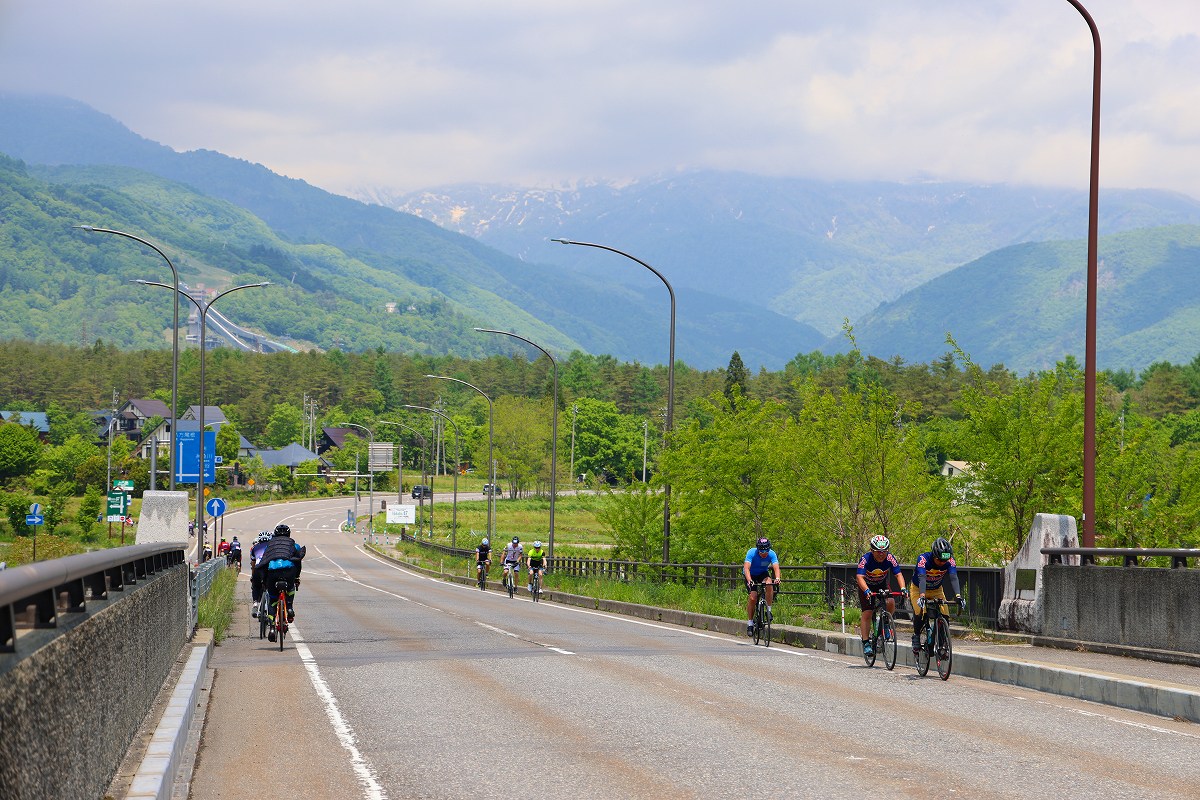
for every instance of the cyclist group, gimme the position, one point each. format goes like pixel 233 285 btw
pixel 275 556
pixel 511 559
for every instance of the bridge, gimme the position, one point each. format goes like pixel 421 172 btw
pixel 399 682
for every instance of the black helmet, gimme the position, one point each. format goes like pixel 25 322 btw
pixel 516 540
pixel 942 549
pixel 282 530
pixel 764 544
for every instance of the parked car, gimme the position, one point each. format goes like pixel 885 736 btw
pixel 421 491
pixel 491 488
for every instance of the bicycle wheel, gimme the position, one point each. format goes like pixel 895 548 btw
pixel 511 582
pixel 887 639
pixel 537 587
pixel 767 620
pixel 758 622
pixel 281 619
pixel 872 643
pixel 924 650
pixel 482 580
pixel 943 648
pixel 263 617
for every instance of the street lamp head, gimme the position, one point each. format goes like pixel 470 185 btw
pixel 88 228
pixel 562 241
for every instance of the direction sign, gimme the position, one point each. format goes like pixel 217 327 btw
pixel 118 504
pixel 125 486
pixel 215 507
pixel 187 456
pixel 35 519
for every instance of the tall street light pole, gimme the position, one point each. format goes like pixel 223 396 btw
pixel 202 309
pixel 670 379
pixel 370 478
pixel 553 430
pixel 174 342
pixel 574 416
pixel 491 456
pixel 1089 359
pixel 457 462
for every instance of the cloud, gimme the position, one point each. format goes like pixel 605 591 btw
pixel 405 95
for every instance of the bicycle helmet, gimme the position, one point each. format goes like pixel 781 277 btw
pixel 880 542
pixel 282 530
pixel 764 544
pixel 485 541
pixel 942 549
pixel 516 540
pixel 537 544
pixel 265 536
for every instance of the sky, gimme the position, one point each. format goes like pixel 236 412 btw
pixel 368 95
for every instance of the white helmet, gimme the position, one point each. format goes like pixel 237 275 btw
pixel 485 541
pixel 537 544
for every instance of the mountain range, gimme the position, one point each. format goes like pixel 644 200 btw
pixel 768 267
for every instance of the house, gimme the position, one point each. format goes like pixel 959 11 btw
pixel 954 469
pixel 32 419
pixel 291 457
pixel 959 473
pixel 336 437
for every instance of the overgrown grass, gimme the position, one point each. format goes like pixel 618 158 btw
pixel 216 607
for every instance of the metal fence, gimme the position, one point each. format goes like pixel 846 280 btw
pixel 202 577
pixel 982 588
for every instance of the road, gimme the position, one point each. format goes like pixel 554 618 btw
pixel 400 686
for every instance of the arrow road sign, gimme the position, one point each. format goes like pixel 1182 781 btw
pixel 35 519
pixel 216 507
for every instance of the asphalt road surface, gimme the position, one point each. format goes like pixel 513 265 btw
pixel 400 686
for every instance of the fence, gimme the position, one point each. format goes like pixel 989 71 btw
pixel 202 577
pixel 982 587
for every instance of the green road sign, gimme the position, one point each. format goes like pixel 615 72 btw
pixel 126 486
pixel 118 502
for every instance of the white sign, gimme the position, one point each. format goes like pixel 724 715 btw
pixel 381 457
pixel 401 515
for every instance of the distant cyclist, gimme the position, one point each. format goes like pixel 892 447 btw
pixel 234 554
pixel 281 561
pixel 873 570
pixel 537 562
pixel 513 555
pixel 932 569
pixel 761 561
pixel 483 559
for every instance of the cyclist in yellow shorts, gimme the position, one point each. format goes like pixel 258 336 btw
pixel 932 569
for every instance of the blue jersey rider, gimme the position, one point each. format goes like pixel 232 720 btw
pixel 760 562
pixel 873 570
pixel 933 568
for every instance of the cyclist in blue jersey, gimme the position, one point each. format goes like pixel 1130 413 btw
pixel 281 561
pixel 933 568
pixel 873 570
pixel 761 561
pixel 256 577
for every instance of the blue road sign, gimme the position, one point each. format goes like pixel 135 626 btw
pixel 187 456
pixel 35 519
pixel 215 506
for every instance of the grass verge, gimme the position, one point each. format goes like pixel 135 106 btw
pixel 216 607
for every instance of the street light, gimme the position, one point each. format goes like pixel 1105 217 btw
pixel 670 378
pixel 399 469
pixel 1089 358
pixel 370 480
pixel 491 457
pixel 457 462
pixel 174 341
pixel 553 431
pixel 202 308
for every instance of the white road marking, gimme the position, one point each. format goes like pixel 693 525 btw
pixel 1085 713
pixel 366 776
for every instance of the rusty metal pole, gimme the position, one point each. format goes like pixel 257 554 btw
pixel 1089 362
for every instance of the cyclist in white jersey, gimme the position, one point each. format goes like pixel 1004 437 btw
pixel 514 554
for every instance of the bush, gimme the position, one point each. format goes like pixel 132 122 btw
pixel 216 607
pixel 68 530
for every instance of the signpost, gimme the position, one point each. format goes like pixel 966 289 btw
pixel 34 518
pixel 187 457
pixel 123 485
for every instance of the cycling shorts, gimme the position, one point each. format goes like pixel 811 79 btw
pixel 511 564
pixel 914 594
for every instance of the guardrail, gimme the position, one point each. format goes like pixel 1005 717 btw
pixel 37 595
pixel 1131 556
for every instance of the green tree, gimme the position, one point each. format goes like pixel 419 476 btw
pixel 736 375
pixel 229 443
pixel 634 517
pixel 285 426
pixel 65 461
pixel 89 509
pixel 20 451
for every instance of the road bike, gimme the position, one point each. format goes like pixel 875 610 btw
pixel 234 559
pixel 883 629
pixel 264 614
pixel 510 579
pixel 481 571
pixel 535 585
pixel 762 617
pixel 935 644
pixel 279 619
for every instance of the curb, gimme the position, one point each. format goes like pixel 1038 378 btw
pixel 155 777
pixel 1163 699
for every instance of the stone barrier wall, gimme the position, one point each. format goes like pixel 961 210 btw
pixel 1135 606
pixel 70 708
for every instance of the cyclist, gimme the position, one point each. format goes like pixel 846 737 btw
pixel 537 562
pixel 256 576
pixel 873 570
pixel 483 558
pixel 513 555
pixel 223 547
pixel 932 569
pixel 281 561
pixel 761 561
pixel 234 554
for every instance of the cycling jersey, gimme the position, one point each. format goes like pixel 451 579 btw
pixel 513 554
pixel 929 575
pixel 483 552
pixel 875 573
pixel 535 558
pixel 760 565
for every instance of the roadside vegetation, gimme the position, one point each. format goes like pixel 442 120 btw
pixel 216 607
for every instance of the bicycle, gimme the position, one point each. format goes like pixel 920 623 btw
pixel 510 579
pixel 481 571
pixel 234 559
pixel 535 584
pixel 883 629
pixel 936 643
pixel 279 618
pixel 264 614
pixel 762 616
